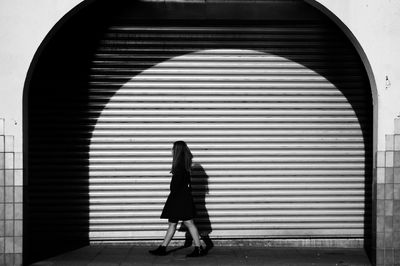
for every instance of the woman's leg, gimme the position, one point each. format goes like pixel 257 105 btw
pixel 162 249
pixel 170 233
pixel 193 232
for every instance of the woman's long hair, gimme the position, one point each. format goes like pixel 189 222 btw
pixel 181 155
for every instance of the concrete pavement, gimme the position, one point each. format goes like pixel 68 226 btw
pixel 125 255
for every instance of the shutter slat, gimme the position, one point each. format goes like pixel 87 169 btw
pixel 276 115
pixel 279 141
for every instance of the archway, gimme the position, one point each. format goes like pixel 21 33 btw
pixel 74 188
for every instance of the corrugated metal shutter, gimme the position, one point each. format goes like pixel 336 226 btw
pixel 274 114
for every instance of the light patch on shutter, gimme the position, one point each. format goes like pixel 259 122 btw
pixel 279 143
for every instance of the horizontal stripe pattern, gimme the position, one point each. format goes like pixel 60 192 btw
pixel 267 129
pixel 277 118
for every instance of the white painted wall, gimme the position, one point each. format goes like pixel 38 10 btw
pixel 23 26
pixel 25 23
pixel 376 26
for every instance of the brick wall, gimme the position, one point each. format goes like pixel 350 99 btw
pixel 11 186
pixel 387 201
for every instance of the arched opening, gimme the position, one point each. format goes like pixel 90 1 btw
pixel 276 108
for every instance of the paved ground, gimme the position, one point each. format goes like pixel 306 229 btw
pixel 132 255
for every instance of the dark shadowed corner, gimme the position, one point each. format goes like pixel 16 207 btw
pixel 57 130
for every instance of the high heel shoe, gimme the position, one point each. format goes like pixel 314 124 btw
pixel 197 252
pixel 160 251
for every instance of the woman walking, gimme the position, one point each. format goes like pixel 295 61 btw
pixel 179 205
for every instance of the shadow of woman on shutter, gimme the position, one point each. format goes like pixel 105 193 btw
pixel 202 219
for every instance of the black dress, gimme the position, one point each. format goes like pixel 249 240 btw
pixel 179 205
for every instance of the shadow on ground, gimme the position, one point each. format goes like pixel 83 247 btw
pixel 128 255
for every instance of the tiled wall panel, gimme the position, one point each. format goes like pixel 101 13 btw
pixel 387 200
pixel 11 189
